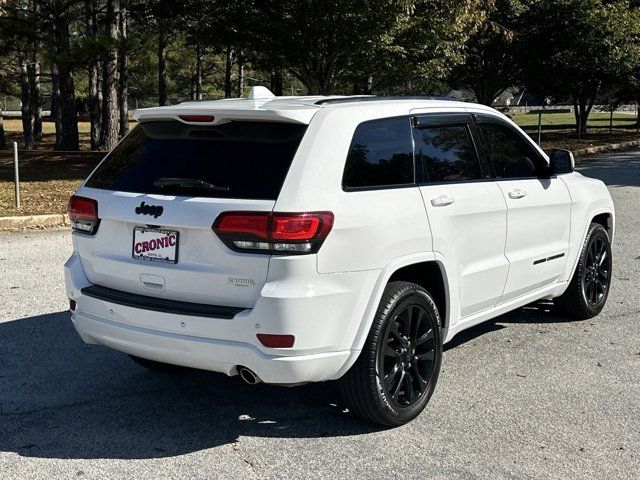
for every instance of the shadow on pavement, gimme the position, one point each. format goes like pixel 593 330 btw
pixel 60 398
pixel 621 169
pixel 541 312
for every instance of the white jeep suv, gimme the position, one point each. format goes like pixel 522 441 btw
pixel 306 239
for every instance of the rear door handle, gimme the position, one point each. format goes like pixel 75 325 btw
pixel 515 194
pixel 442 201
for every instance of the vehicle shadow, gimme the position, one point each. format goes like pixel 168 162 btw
pixel 60 398
pixel 540 312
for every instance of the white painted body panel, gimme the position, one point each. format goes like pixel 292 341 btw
pixel 483 244
pixel 539 228
pixel 470 233
pixel 205 263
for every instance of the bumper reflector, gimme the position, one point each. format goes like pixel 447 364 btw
pixel 276 341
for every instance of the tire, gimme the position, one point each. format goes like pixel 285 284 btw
pixel 397 370
pixel 588 290
pixel 156 366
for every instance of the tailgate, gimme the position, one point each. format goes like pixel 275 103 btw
pixel 206 270
pixel 159 192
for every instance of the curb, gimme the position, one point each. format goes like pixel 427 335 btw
pixel 31 221
pixel 606 148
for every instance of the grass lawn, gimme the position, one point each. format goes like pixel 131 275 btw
pixel 15 125
pixel 596 119
pixel 47 178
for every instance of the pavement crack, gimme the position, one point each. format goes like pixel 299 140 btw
pixel 249 463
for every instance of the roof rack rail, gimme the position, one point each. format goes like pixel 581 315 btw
pixel 375 98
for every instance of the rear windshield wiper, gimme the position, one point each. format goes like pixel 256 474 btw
pixel 187 183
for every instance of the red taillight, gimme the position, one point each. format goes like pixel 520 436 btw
pixel 271 232
pixel 276 341
pixel 83 214
pixel 250 224
pixel 294 227
pixel 197 118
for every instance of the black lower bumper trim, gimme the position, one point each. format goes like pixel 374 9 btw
pixel 160 304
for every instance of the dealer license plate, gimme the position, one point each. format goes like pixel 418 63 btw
pixel 155 245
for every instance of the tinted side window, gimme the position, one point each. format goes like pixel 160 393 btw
pixel 511 155
pixel 447 153
pixel 380 154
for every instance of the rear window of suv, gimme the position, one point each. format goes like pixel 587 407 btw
pixel 237 159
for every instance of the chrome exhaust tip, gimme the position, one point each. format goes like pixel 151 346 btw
pixel 248 376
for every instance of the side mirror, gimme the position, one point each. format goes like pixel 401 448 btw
pixel 561 161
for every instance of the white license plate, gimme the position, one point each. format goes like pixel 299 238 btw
pixel 155 245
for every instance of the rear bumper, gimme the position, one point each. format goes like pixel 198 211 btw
pixel 323 315
pixel 208 354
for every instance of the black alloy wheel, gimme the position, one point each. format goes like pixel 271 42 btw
pixel 587 293
pixel 407 355
pixel 395 375
pixel 596 275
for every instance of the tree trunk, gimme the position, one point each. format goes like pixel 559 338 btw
pixel 579 112
pixel 162 67
pixel 198 73
pixel 276 83
pixel 35 97
pixel 227 72
pixel 95 106
pixel 487 95
pixel 240 84
pixel 67 128
pixel 3 139
pixel 368 85
pixel 582 105
pixel 55 106
pixel 34 84
pixel 319 75
pixel 68 111
pixel 123 71
pixel 25 99
pixel 363 86
pixel 316 86
pixel 94 100
pixel 487 87
pixel 317 83
pixel 611 120
pixel 36 101
pixel 110 111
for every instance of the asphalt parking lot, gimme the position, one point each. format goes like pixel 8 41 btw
pixel 527 395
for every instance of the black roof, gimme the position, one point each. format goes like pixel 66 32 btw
pixel 375 98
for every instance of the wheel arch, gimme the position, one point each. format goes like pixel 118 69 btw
pixel 409 268
pixel 430 275
pixel 606 220
pixel 604 217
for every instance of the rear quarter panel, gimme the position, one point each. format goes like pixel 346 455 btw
pixel 372 227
